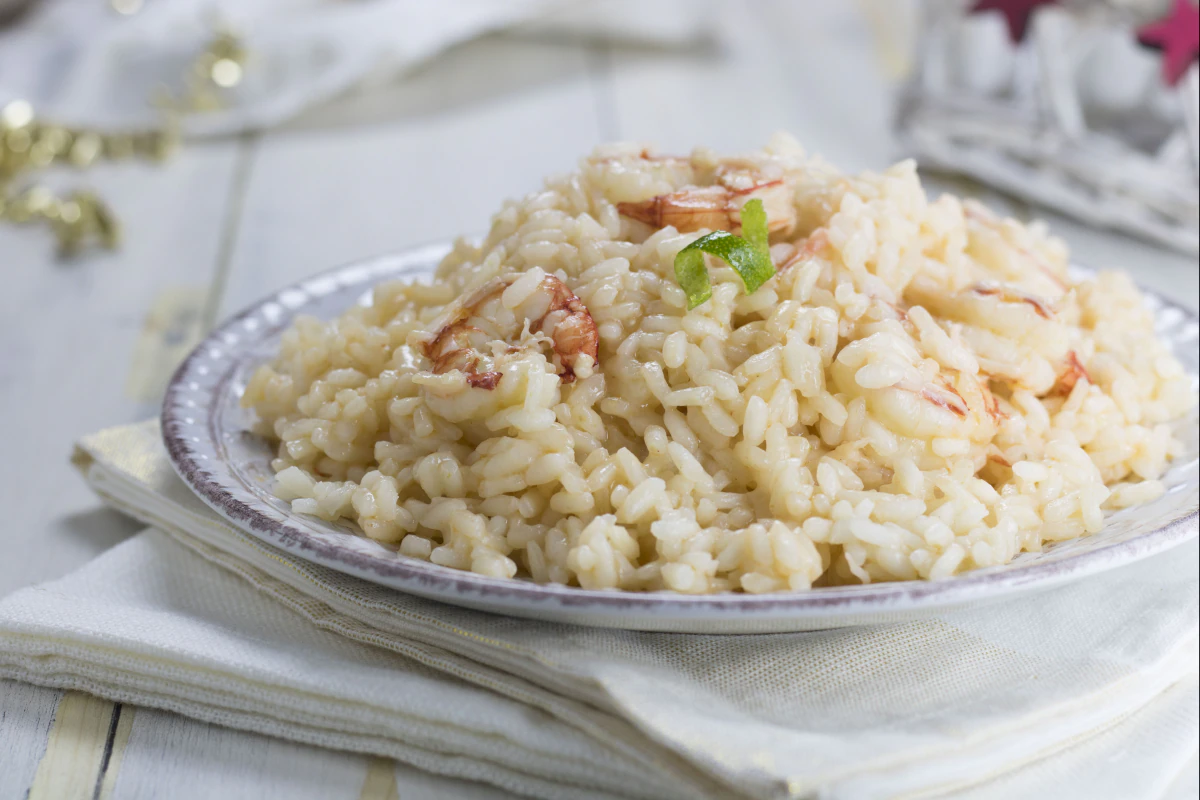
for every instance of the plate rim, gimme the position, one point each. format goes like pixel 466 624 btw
pixel 508 595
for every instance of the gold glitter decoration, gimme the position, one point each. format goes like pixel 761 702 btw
pixel 81 219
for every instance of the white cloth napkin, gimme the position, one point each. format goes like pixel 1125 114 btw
pixel 79 62
pixel 1087 691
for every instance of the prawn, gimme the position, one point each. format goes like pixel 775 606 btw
pixel 719 206
pixel 944 395
pixel 983 215
pixel 1011 294
pixel 644 155
pixel 491 313
pixel 1073 370
pixel 801 250
pixel 911 403
pixel 925 410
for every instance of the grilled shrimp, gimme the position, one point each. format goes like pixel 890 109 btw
pixel 501 311
pixel 719 206
pixel 998 306
pixel 949 405
pixel 887 370
pixel 1018 337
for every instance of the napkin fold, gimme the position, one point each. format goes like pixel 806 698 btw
pixel 1067 693
pixel 81 63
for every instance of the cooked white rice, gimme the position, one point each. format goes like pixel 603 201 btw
pixel 922 389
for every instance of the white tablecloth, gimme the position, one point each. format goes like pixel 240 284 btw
pixel 1086 691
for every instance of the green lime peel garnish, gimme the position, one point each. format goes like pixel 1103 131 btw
pixel 747 254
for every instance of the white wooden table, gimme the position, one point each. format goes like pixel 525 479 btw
pixel 90 344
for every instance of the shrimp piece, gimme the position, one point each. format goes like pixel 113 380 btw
pixel 1073 371
pixel 943 396
pixel 718 207
pixel 1011 294
pixel 949 405
pixel 644 155
pixel 906 398
pixel 991 403
pixel 635 176
pixel 802 250
pixel 458 338
pixel 983 216
pixel 964 408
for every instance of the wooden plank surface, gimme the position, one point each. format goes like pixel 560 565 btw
pixel 26 714
pixel 85 344
pixel 164 755
pixel 807 68
pixel 169 756
pixel 67 335
pixel 427 158
pixel 74 760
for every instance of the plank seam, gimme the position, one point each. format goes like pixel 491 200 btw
pixel 108 749
pixel 230 227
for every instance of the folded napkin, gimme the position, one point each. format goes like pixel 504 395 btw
pixel 1088 690
pixel 79 62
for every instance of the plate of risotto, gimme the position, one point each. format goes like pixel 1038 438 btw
pixel 706 393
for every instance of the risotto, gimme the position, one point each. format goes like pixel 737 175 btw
pixel 921 388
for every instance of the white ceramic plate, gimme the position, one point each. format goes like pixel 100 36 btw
pixel 207 436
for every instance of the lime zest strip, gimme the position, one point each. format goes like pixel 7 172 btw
pixel 749 255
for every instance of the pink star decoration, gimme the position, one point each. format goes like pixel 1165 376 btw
pixel 1177 35
pixel 1016 13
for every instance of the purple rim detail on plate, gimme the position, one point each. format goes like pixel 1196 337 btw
pixel 207 475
